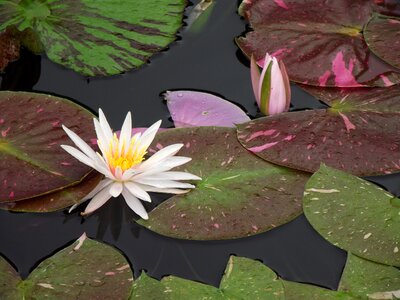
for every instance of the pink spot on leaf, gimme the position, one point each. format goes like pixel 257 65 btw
pixel 324 78
pixel 347 122
pixel 281 3
pixel 5 132
pixel 386 80
pixel 11 195
pixel 344 75
pixel 262 147
pixel 1 121
pixel 39 110
pixel 55 123
pixel 261 133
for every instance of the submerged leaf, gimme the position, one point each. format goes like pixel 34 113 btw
pixel 320 42
pixel 239 195
pixel 9 49
pixel 32 163
pixel 97 38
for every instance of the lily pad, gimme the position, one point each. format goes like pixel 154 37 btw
pixel 359 122
pixel 382 35
pixel 9 280
pixel 94 39
pixel 354 215
pixel 85 270
pixel 300 291
pixel 56 200
pixel 362 277
pixel 32 163
pixel 9 49
pixel 239 195
pixel 320 42
pixel 191 108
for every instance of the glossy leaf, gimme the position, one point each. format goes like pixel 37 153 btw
pixel 32 163
pixel 239 195
pixel 191 108
pixel 58 199
pixel 359 122
pixel 382 35
pixel 97 38
pixel 321 43
pixel 354 215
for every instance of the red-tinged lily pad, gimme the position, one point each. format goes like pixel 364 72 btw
pixel 9 49
pixel 382 35
pixel 320 42
pixel 85 270
pixel 354 215
pixel 56 200
pixel 239 195
pixel 32 163
pixel 96 39
pixel 359 122
pixel 191 108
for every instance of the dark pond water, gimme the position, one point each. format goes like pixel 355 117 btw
pixel 207 61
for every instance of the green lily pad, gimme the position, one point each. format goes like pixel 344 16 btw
pixel 56 200
pixel 362 277
pixel 239 195
pixel 354 215
pixel 383 38
pixel 321 42
pixel 300 291
pixel 32 163
pixel 359 122
pixel 85 270
pixel 96 39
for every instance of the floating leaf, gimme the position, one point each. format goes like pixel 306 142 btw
pixel 9 49
pixel 354 215
pixel 360 122
pixel 300 291
pixel 32 163
pixel 56 200
pixel 9 280
pixel 321 43
pixel 362 277
pixel 190 108
pixel 239 195
pixel 382 35
pixel 85 270
pixel 97 39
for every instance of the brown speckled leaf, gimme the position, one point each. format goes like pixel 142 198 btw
pixel 58 199
pixel 9 49
pixel 382 35
pixel 32 163
pixel 320 42
pixel 359 122
pixel 240 194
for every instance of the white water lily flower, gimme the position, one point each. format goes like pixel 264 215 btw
pixel 125 169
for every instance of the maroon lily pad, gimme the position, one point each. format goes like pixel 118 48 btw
pixel 191 108
pixel 32 163
pixel 320 42
pixel 58 199
pixel 359 133
pixel 382 35
pixel 239 195
pixel 9 49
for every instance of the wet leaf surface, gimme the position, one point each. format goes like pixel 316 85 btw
pixel 321 43
pixel 94 39
pixel 359 122
pixel 354 215
pixel 239 195
pixel 32 163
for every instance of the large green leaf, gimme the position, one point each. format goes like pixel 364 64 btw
pixel 359 122
pixel 85 270
pixel 32 163
pixel 354 215
pixel 321 42
pixel 239 195
pixel 300 291
pixel 96 37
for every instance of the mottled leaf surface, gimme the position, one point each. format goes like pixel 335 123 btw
pixel 363 277
pixel 58 199
pixel 382 35
pixel 32 163
pixel 320 42
pixel 359 122
pixel 191 108
pixel 97 37
pixel 239 195
pixel 9 49
pixel 354 215
pixel 300 291
pixel 9 280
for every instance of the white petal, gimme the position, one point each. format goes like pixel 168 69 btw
pixel 79 155
pixel 118 173
pixel 137 191
pixel 102 184
pixel 149 188
pixel 160 156
pixel 172 175
pixel 81 144
pixel 102 140
pixel 128 174
pixel 134 204
pixel 116 189
pixel 108 133
pixel 148 136
pixel 165 183
pixel 99 200
pixel 125 135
